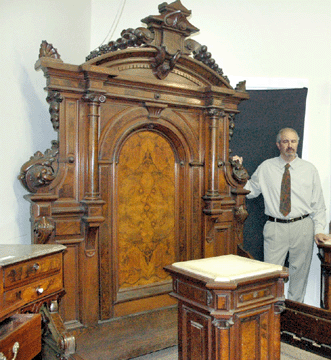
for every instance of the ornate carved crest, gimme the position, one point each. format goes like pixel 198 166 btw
pixel 168 33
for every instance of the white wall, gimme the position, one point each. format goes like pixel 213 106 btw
pixel 261 41
pixel 25 121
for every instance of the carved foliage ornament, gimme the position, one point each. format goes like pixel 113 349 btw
pixel 40 170
pixel 129 38
pixel 54 99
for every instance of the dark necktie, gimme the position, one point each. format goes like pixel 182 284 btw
pixel 285 192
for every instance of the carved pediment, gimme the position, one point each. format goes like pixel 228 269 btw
pixel 169 34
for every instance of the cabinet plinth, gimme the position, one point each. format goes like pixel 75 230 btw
pixel 236 316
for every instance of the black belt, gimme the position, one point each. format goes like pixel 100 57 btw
pixel 287 220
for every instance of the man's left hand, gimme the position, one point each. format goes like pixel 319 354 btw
pixel 321 238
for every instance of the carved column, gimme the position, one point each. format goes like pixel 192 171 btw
pixel 212 196
pixel 93 216
pixel 214 115
pixel 94 101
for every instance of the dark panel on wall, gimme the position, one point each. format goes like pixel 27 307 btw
pixel 254 138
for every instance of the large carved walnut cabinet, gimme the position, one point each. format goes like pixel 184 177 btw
pixel 140 175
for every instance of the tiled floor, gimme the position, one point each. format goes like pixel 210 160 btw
pixel 288 352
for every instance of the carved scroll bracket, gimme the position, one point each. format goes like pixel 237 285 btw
pixel 240 174
pixel 40 170
pixel 92 219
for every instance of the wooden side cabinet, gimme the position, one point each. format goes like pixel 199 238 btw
pixel 229 308
pixel 32 283
pixel 324 254
pixel 20 337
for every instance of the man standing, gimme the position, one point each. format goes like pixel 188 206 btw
pixel 294 202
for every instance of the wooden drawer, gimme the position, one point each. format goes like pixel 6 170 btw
pixel 17 274
pixel 256 295
pixel 34 291
pixel 24 330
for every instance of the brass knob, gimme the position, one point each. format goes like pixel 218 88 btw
pixel 39 290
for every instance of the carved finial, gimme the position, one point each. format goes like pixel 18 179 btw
pixel 47 50
pixel 241 86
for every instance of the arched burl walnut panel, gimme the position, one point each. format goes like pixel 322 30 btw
pixel 140 174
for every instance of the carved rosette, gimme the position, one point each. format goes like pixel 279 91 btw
pixel 40 170
pixel 94 98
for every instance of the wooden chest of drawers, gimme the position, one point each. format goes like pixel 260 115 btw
pixel 30 274
pixel 20 337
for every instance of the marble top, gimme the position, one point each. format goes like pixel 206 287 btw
pixel 227 267
pixel 11 254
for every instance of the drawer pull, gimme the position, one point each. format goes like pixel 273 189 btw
pixel 39 290
pixel 15 352
pixel 36 266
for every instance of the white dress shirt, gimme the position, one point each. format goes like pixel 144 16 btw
pixel 306 191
